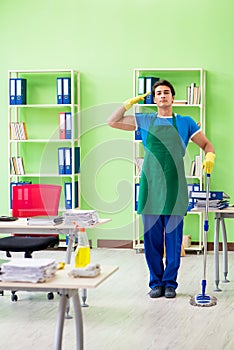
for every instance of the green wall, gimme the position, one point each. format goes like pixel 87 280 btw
pixel 105 40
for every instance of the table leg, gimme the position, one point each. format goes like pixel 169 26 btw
pixel 71 240
pixel 225 251
pixel 216 252
pixel 79 321
pixel 84 297
pixel 63 296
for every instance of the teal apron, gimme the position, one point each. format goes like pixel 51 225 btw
pixel 163 187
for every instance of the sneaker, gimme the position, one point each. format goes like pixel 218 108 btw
pixel 156 292
pixel 170 292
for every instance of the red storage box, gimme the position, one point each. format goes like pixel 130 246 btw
pixel 35 200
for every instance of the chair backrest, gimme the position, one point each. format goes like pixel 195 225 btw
pixel 35 200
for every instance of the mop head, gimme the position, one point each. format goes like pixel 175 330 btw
pixel 203 300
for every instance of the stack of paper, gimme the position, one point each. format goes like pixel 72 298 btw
pixel 40 221
pixel 213 203
pixel 83 218
pixel 28 270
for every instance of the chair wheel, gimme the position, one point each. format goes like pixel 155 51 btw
pixel 14 297
pixel 50 296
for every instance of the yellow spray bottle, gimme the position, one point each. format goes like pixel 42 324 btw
pixel 82 252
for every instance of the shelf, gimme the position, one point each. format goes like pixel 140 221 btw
pixel 37 155
pixel 44 141
pixel 47 105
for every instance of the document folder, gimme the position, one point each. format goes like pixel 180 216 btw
pixel 12 91
pixel 68 126
pixel 59 91
pixel 62 125
pixel 149 83
pixel 20 91
pixel 66 90
pixel 68 194
pixel 141 88
pixel 212 195
pixel 68 160
pixel 61 161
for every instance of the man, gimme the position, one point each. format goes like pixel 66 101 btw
pixel 163 195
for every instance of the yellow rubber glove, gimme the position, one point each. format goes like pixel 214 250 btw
pixel 208 163
pixel 131 101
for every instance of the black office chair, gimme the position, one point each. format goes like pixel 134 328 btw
pixel 29 201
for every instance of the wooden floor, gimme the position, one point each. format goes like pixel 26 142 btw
pixel 121 316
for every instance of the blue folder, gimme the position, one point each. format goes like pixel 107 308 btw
pixel 59 91
pixel 20 91
pixel 66 90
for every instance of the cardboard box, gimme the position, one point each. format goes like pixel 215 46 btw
pixel 187 241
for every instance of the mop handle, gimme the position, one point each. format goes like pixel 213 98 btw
pixel 206 223
pixel 206 228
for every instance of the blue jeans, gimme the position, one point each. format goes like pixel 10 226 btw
pixel 160 230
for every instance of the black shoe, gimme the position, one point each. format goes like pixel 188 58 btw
pixel 156 292
pixel 170 292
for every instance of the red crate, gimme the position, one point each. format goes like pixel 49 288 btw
pixel 35 200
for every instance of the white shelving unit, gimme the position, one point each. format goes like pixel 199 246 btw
pixel 180 78
pixel 40 115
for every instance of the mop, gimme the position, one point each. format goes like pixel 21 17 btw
pixel 204 299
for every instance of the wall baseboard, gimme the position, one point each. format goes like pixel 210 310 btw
pixel 114 243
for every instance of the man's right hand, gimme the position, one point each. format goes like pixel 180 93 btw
pixel 131 101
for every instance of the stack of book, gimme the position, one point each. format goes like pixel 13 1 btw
pixel 17 166
pixel 18 131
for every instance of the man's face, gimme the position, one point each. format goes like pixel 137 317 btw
pixel 163 96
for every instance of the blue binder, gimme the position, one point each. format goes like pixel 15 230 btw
pixel 12 91
pixel 68 194
pixel 77 160
pixel 141 88
pixel 137 187
pixel 66 90
pixel 20 91
pixel 149 83
pixel 138 134
pixel 68 160
pixel 59 91
pixel 61 160
pixel 68 125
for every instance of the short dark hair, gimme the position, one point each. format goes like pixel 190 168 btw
pixel 163 82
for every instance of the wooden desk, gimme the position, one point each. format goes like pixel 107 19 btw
pixel 220 215
pixel 21 226
pixel 67 287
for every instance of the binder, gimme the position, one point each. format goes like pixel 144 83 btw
pixel 68 160
pixel 192 188
pixel 12 184
pixel 149 83
pixel 77 160
pixel 59 91
pixel 141 88
pixel 68 194
pixel 66 90
pixel 62 128
pixel 12 91
pixel 20 91
pixel 137 187
pixel 68 126
pixel 212 195
pixel 138 134
pixel 61 161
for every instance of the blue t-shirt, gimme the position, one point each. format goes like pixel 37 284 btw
pixel 186 126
